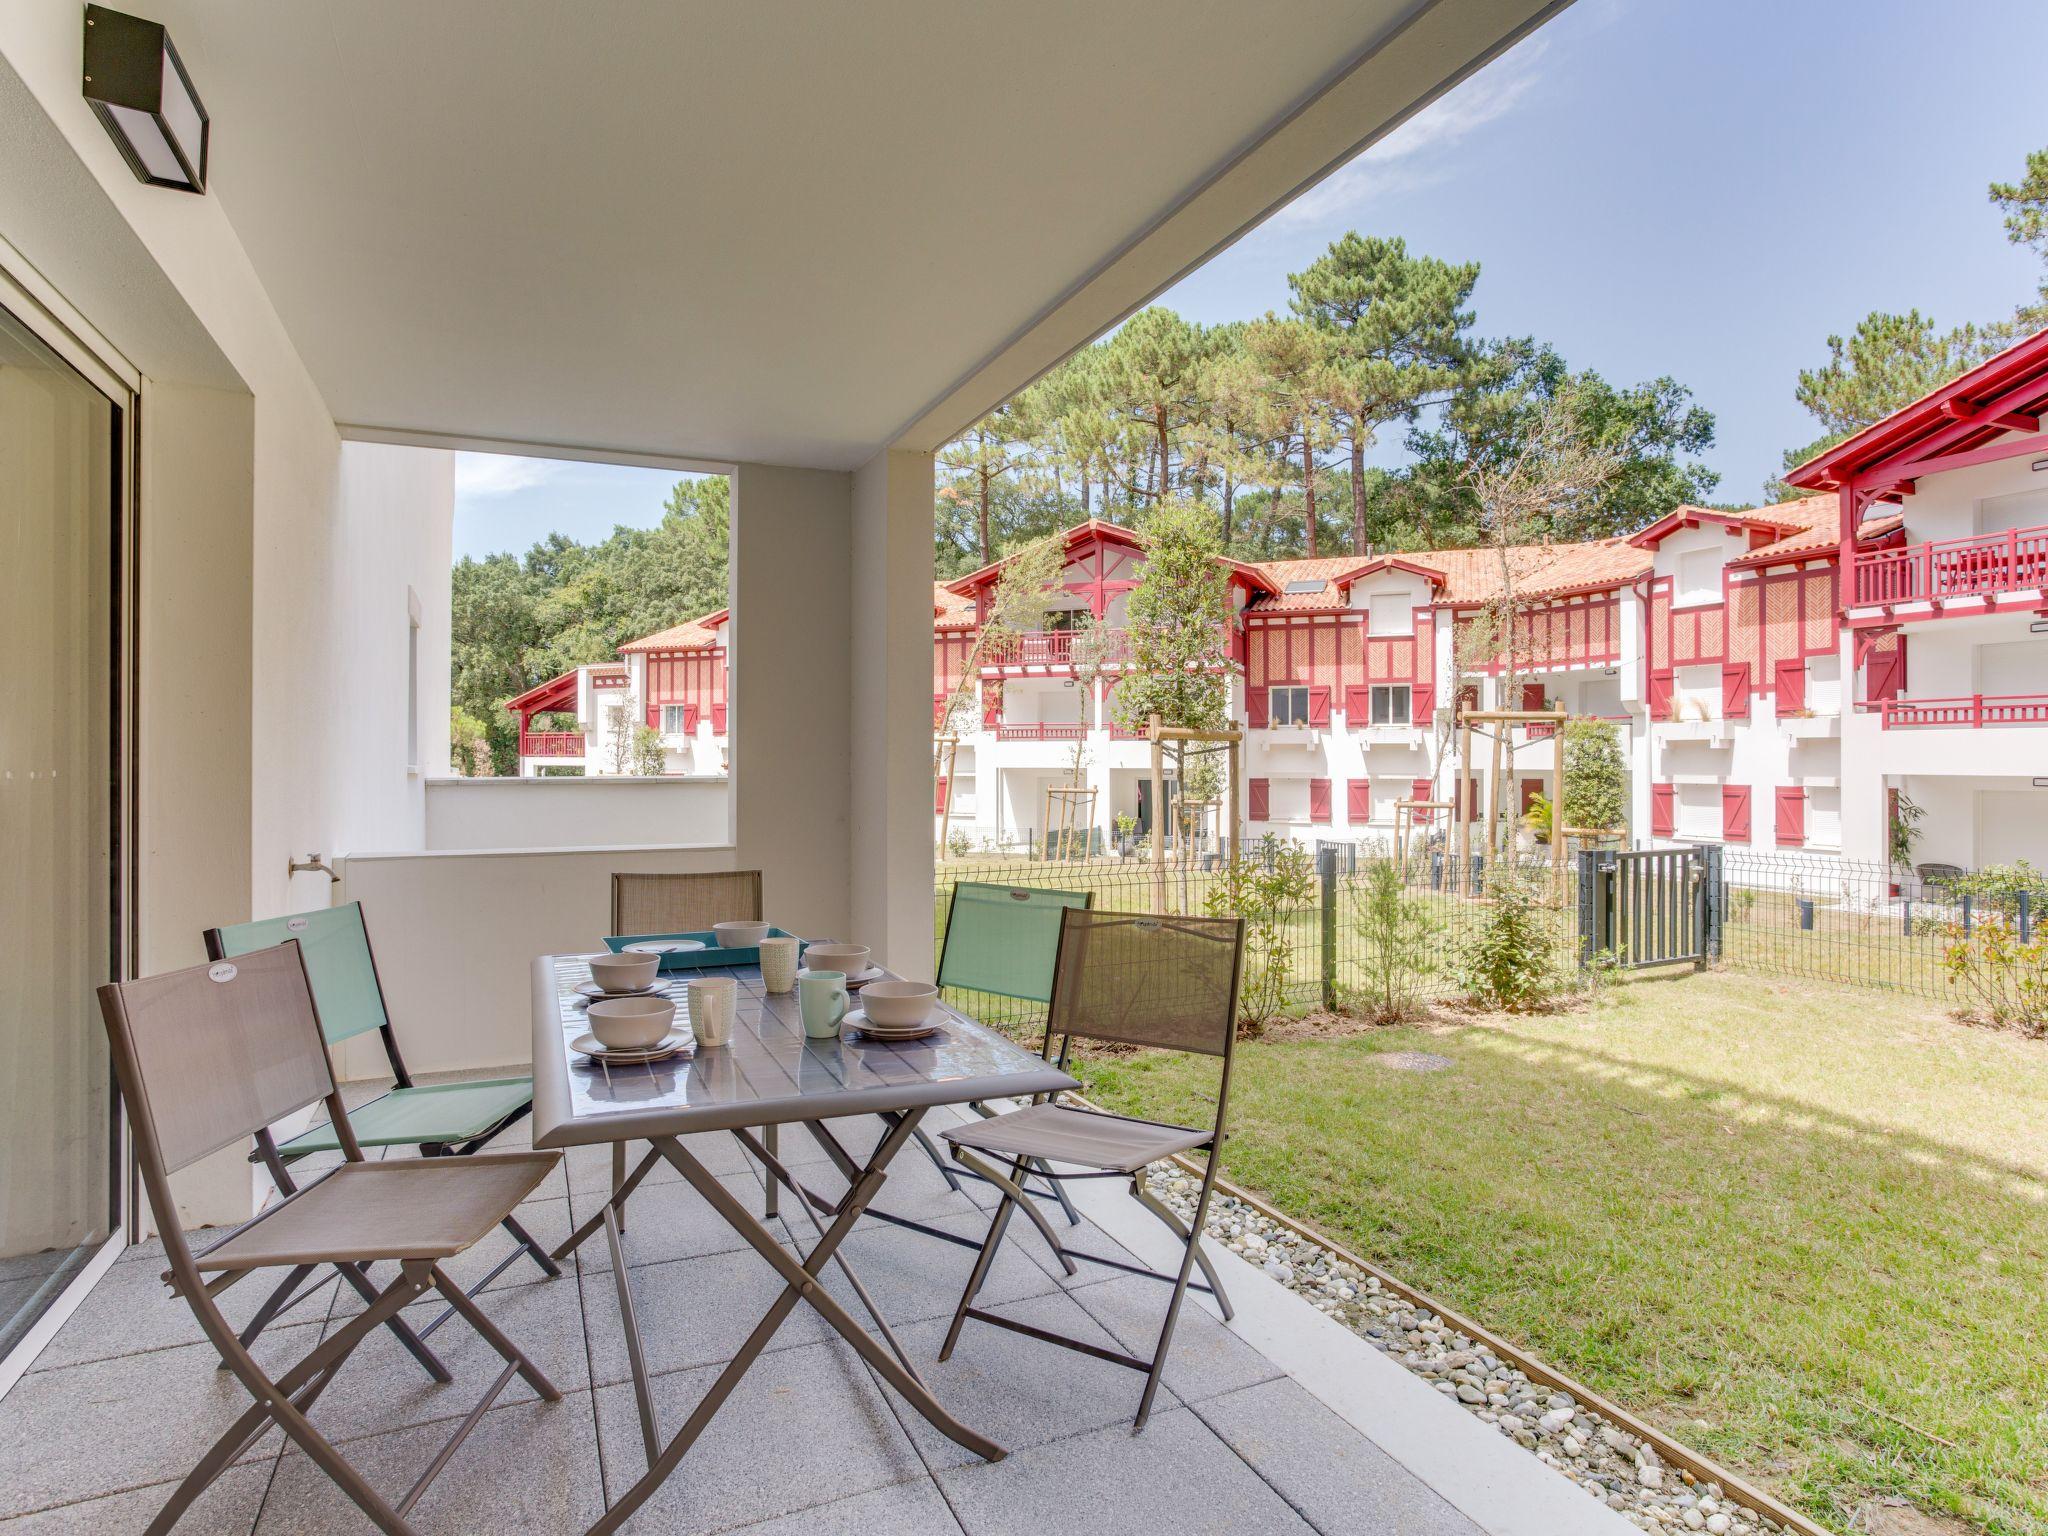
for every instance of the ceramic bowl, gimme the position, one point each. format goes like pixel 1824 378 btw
pixel 848 959
pixel 624 973
pixel 899 1002
pixel 739 935
pixel 630 1023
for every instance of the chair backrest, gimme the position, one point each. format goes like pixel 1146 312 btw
pixel 1004 939
pixel 209 1056
pixel 336 947
pixel 1136 979
pixel 684 903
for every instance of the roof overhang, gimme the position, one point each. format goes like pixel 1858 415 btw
pixel 1343 581
pixel 557 693
pixel 1678 519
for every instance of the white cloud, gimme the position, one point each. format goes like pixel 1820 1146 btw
pixel 1415 154
pixel 487 476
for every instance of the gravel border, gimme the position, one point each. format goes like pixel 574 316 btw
pixel 1617 1468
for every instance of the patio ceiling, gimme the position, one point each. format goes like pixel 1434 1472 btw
pixel 778 232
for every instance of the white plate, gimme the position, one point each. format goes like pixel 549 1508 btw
pixel 858 1019
pixel 594 992
pixel 872 973
pixel 665 947
pixel 674 1042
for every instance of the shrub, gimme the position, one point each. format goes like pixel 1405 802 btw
pixel 1401 936
pixel 1509 958
pixel 2004 980
pixel 649 759
pixel 1997 888
pixel 1595 775
pixel 1266 886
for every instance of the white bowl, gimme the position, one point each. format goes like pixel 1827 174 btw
pixel 631 1023
pixel 624 973
pixel 739 935
pixel 848 959
pixel 899 1002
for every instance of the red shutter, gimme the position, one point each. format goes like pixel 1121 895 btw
pixel 1474 793
pixel 1532 696
pixel 1255 708
pixel 991 705
pixel 1661 686
pixel 1419 790
pixel 938 709
pixel 654 716
pixel 1885 672
pixel 1319 800
pixel 1735 691
pixel 1422 703
pixel 1734 813
pixel 718 719
pixel 1319 709
pixel 1531 788
pixel 939 800
pixel 1358 800
pixel 1357 706
pixel 1791 816
pixel 1468 697
pixel 691 715
pixel 1791 679
pixel 1663 810
pixel 1261 800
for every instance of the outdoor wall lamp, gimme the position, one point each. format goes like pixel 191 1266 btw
pixel 138 87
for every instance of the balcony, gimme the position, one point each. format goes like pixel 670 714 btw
pixel 1040 730
pixel 1052 649
pixel 1990 563
pixel 551 744
pixel 1973 711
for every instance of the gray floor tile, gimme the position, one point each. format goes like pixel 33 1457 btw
pixel 691 1312
pixel 669 1221
pixel 805 1427
pixel 228 1508
pixel 382 1387
pixel 1207 1357
pixel 548 1222
pixel 590 1168
pixel 1176 1477
pixel 530 1467
pixel 1343 1483
pixel 1019 1391
pixel 913 1277
pixel 902 1509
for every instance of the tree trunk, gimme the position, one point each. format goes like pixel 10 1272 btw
pixel 1359 543
pixel 1085 488
pixel 1165 462
pixel 987 554
pixel 1229 498
pixel 1308 486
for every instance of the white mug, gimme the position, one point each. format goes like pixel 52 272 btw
pixel 713 1002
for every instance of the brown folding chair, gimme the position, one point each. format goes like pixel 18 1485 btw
pixel 684 903
pixel 207 1057
pixel 1130 979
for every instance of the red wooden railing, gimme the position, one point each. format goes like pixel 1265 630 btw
pixel 551 744
pixel 1040 731
pixel 1050 648
pixel 1975 711
pixel 2013 561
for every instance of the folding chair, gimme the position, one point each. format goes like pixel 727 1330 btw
pixel 208 1056
pixel 441 1119
pixel 1003 940
pixel 684 903
pixel 1124 978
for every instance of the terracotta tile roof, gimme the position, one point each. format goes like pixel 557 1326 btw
pixel 692 634
pixel 1470 575
pixel 1812 526
pixel 950 610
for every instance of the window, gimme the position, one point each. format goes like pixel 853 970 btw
pixel 1390 704
pixel 1391 613
pixel 1824 684
pixel 1303 587
pixel 675 719
pixel 1823 817
pixel 1699 578
pixel 1287 706
pixel 1288 800
pixel 1699 811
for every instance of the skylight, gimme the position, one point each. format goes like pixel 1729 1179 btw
pixel 1306 586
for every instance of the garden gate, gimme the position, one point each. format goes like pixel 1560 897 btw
pixel 1654 906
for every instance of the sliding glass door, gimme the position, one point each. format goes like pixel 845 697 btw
pixel 61 852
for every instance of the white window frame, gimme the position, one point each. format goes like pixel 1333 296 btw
pixel 1287 799
pixel 682 720
pixel 1686 590
pixel 1296 710
pixel 1824 835
pixel 1385 602
pixel 1696 812
pixel 1386 694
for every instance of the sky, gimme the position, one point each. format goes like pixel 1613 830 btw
pixel 1703 190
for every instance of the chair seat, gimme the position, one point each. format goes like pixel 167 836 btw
pixel 432 1112
pixel 411 1208
pixel 1058 1134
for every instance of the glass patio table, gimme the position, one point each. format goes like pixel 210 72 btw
pixel 770 1075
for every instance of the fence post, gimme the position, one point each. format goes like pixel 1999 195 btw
pixel 1589 879
pixel 2026 917
pixel 1326 871
pixel 1716 904
pixel 1966 913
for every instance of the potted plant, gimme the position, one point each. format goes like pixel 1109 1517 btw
pixel 1126 833
pixel 1903 833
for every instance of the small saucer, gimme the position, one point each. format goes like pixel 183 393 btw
pixel 858 1019
pixel 665 947
pixel 860 979
pixel 595 993
pixel 673 1043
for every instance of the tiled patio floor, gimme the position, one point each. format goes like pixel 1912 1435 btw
pixel 127 1397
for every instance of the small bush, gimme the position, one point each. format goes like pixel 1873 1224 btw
pixel 1997 889
pixel 2004 981
pixel 1401 938
pixel 1266 886
pixel 1509 959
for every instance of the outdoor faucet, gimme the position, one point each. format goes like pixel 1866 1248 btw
pixel 309 864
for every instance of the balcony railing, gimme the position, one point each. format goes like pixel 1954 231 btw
pixel 1051 648
pixel 1039 731
pixel 1974 711
pixel 2013 561
pixel 551 744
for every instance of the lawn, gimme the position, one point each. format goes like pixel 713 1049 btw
pixel 1802 1228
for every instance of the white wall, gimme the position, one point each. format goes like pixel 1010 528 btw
pixel 596 812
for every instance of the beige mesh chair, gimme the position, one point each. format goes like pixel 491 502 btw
pixel 684 903
pixel 207 1057
pixel 1122 978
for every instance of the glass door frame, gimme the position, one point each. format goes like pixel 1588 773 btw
pixel 35 305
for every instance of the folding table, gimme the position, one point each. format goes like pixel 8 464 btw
pixel 770 1075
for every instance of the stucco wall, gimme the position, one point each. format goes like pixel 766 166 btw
pixel 597 812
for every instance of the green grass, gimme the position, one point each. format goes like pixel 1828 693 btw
pixel 1766 1217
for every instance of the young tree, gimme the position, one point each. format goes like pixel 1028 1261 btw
pixel 1397 327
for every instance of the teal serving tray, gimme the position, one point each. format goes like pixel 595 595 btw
pixel 696 959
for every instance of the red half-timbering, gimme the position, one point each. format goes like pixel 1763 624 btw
pixel 1583 630
pixel 695 679
pixel 556 696
pixel 1333 655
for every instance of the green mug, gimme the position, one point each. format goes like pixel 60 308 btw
pixel 821 999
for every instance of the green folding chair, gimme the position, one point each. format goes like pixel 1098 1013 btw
pixel 441 1119
pixel 1004 940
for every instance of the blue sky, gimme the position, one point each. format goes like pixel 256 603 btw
pixel 1704 190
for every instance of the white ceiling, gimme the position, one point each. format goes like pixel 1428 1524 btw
pixel 763 229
